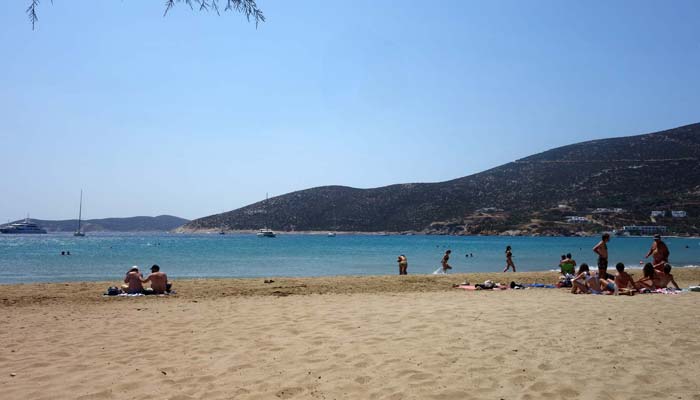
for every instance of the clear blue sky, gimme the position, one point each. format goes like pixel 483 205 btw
pixel 194 114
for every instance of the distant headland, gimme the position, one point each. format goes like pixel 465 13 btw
pixel 649 181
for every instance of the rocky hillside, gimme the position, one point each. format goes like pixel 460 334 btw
pixel 536 194
pixel 161 223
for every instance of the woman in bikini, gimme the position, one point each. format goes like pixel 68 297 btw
pixel 509 260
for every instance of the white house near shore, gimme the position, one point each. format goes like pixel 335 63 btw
pixel 658 214
pixel 679 214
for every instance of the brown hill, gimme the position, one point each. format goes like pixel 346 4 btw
pixel 636 174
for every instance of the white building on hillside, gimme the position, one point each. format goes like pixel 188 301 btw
pixel 658 213
pixel 679 214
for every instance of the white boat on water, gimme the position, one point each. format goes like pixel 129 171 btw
pixel 79 232
pixel 331 234
pixel 264 232
pixel 26 227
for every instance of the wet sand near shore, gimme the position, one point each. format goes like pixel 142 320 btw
pixel 388 337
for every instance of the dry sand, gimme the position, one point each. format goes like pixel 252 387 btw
pixel 348 338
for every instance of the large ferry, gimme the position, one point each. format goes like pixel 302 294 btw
pixel 25 227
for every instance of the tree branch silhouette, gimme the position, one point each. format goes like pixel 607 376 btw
pixel 246 7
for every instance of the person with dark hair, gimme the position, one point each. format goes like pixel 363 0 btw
pixel 623 280
pixel 403 265
pixel 159 281
pixel 647 282
pixel 659 252
pixel 666 277
pixel 579 281
pixel 601 282
pixel 509 260
pixel 567 264
pixel 132 280
pixel 445 265
pixel 601 249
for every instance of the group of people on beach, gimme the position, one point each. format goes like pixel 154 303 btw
pixel 656 274
pixel 133 281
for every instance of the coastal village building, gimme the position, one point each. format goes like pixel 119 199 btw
pixel 679 214
pixel 608 211
pixel 644 229
pixel 576 220
pixel 658 214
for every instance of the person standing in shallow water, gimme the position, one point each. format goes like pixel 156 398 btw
pixel 445 265
pixel 403 265
pixel 509 260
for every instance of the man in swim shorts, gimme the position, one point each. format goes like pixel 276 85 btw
pixel 159 281
pixel 601 249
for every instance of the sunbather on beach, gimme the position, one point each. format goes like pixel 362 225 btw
pixel 159 281
pixel 132 280
pixel 567 265
pixel 662 280
pixel 601 282
pixel 649 279
pixel 623 280
pixel 579 282
pixel 601 249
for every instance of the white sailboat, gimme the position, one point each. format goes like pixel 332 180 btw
pixel 79 232
pixel 266 232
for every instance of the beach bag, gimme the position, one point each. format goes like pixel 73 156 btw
pixel 113 291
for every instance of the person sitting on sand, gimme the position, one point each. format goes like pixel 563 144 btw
pixel 647 282
pixel 567 265
pixel 133 281
pixel 667 277
pixel 623 280
pixel 579 281
pixel 445 259
pixel 509 260
pixel 601 282
pixel 159 281
pixel 659 252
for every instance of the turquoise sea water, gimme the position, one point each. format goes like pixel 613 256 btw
pixel 36 258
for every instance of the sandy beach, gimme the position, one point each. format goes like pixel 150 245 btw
pixel 409 337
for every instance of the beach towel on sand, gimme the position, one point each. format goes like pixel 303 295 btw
pixel 472 287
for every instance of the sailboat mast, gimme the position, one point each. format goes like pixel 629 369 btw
pixel 80 209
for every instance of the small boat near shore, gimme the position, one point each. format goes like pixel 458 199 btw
pixel 26 227
pixel 265 232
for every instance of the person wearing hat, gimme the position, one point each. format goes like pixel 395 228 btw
pixel 132 281
pixel 159 281
pixel 659 252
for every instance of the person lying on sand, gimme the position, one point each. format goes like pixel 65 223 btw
pixel 159 281
pixel 624 281
pixel 664 279
pixel 132 280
